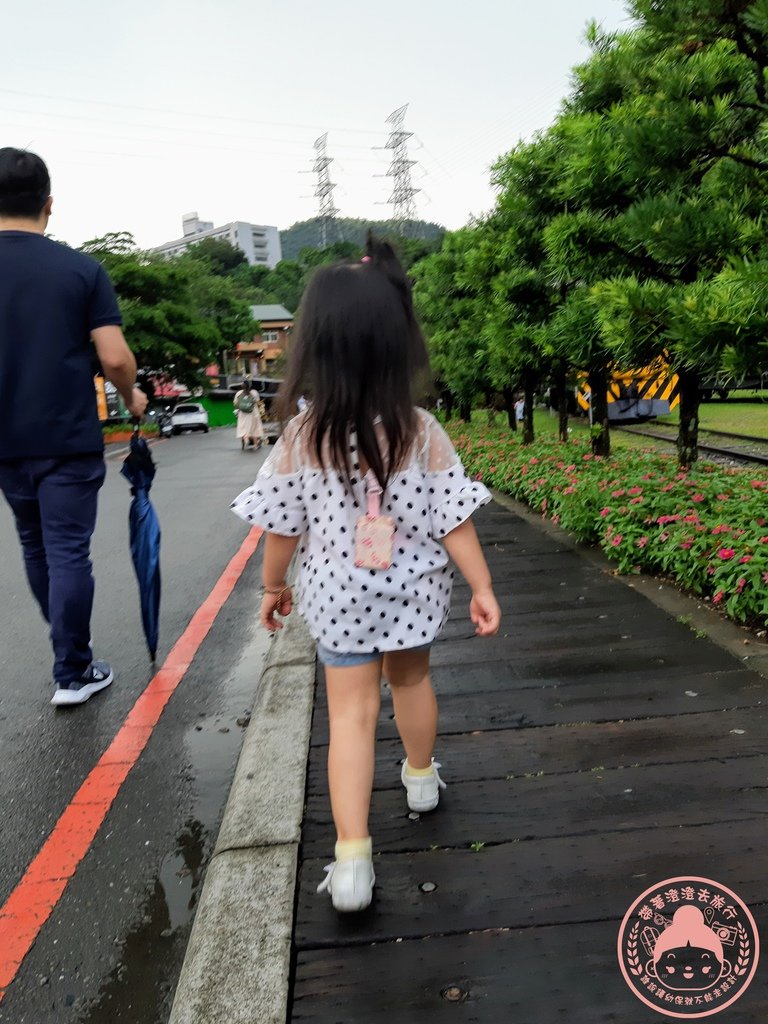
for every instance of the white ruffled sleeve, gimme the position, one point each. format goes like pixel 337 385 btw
pixel 275 500
pixel 453 497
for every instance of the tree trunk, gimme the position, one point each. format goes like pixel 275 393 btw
pixel 598 407
pixel 465 410
pixel 509 405
pixel 561 383
pixel 448 404
pixel 688 433
pixel 529 384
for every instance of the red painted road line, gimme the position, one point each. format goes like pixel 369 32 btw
pixel 32 901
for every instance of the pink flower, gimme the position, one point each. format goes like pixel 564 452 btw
pixel 543 504
pixel 586 457
pixel 722 528
pixel 745 558
pixel 533 460
pixel 718 597
pixel 764 540
pixel 664 536
pixel 692 518
pixel 723 497
pixel 764 577
pixel 698 497
pixel 635 501
pixel 616 540
pixel 726 554
pixel 635 490
pixel 741 584
pixel 604 512
pixel 686 544
pixel 617 494
pixel 478 476
pixel 641 542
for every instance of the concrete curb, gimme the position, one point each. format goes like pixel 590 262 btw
pixel 236 969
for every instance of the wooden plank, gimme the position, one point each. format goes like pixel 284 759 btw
pixel 559 700
pixel 539 611
pixel 518 885
pixel 528 808
pixel 566 973
pixel 598 639
pixel 565 749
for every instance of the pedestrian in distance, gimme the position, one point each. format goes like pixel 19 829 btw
pixel 57 311
pixel 373 490
pixel 250 429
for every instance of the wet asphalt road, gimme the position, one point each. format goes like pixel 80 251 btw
pixel 113 947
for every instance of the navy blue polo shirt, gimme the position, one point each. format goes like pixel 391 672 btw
pixel 51 298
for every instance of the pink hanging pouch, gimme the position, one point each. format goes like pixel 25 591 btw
pixel 374 533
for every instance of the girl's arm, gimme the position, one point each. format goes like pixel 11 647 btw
pixel 464 548
pixel 278 552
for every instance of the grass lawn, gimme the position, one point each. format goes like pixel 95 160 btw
pixel 739 417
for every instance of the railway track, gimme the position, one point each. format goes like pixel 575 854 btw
pixel 757 454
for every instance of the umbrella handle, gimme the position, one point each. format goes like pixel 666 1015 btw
pixel 136 421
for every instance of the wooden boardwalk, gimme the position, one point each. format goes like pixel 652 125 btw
pixel 595 747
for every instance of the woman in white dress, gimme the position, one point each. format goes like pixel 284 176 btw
pixel 249 425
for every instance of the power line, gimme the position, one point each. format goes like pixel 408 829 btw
pixel 175 113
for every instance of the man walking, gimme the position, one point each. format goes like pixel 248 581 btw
pixel 54 303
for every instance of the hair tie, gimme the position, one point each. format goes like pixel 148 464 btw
pixel 366 259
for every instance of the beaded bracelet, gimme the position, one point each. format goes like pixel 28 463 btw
pixel 279 593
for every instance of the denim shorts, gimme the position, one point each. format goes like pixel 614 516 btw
pixel 349 659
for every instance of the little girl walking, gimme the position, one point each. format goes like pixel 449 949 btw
pixel 372 489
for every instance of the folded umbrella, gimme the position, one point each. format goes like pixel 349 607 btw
pixel 139 471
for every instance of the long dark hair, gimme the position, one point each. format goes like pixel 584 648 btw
pixel 357 350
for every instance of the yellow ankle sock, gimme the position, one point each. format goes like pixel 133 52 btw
pixel 346 849
pixel 417 771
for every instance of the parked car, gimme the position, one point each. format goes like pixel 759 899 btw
pixel 189 416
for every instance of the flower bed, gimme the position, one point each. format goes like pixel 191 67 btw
pixel 707 529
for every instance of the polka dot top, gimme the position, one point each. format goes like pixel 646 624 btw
pixel 350 609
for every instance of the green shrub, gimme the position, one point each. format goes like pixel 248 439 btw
pixel 706 529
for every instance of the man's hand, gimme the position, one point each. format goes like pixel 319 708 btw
pixel 138 404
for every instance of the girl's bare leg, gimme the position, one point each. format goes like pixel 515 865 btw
pixel 415 703
pixel 354 698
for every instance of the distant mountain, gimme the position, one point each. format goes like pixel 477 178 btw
pixel 306 234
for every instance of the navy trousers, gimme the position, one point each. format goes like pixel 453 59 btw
pixel 54 504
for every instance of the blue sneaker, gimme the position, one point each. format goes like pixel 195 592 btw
pixel 96 677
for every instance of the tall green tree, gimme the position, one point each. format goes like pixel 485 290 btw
pixel 177 316
pixel 667 187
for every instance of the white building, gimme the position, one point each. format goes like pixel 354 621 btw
pixel 259 242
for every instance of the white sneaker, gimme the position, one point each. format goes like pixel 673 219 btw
pixel 98 676
pixel 423 791
pixel 350 884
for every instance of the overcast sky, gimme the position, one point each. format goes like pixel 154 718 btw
pixel 148 110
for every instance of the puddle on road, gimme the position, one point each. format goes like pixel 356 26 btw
pixel 140 988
